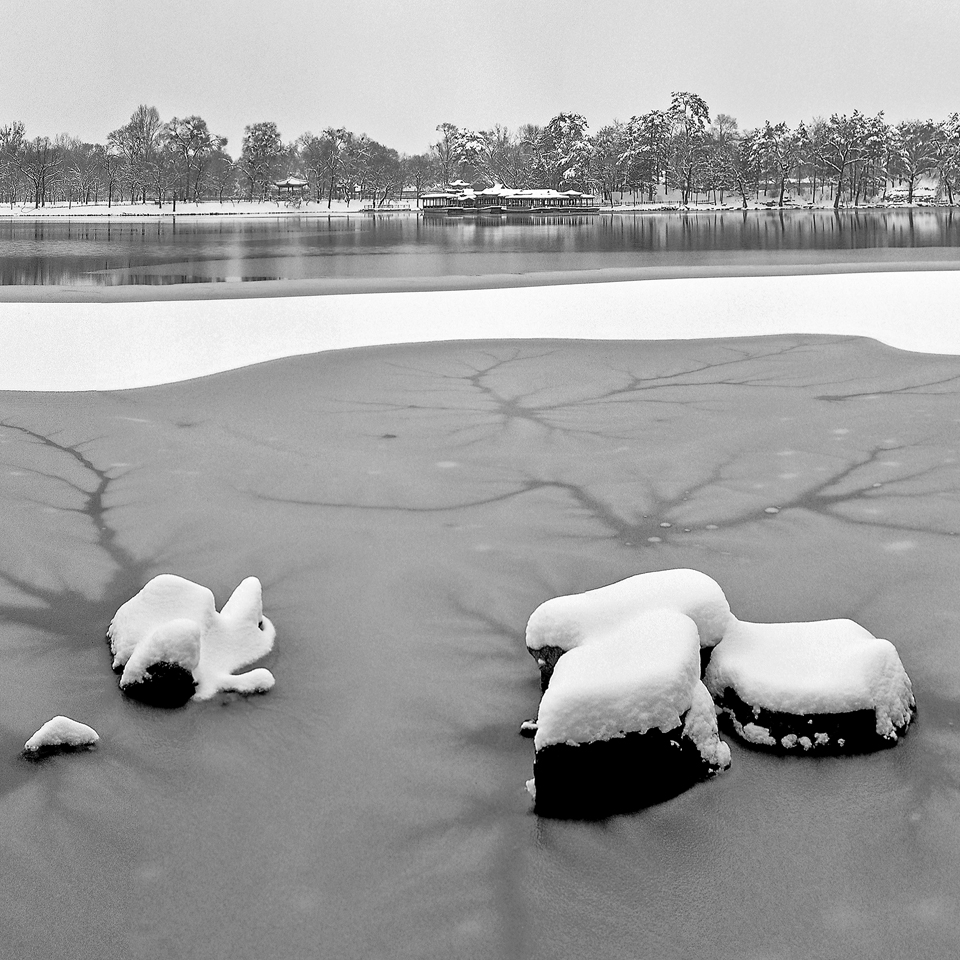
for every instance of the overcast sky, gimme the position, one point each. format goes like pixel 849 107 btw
pixel 394 69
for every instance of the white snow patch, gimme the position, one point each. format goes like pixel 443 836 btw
pixel 754 733
pixel 61 732
pixel 109 346
pixel 233 638
pixel 700 726
pixel 825 666
pixel 570 621
pixel 637 678
pixel 239 635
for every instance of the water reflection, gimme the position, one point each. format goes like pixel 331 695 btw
pixel 85 253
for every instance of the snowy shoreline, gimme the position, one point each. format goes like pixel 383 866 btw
pixel 76 346
pixel 339 208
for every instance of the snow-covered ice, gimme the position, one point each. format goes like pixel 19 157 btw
pixel 563 623
pixel 61 732
pixel 798 680
pixel 175 621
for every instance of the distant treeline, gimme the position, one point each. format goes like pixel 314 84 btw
pixel 846 159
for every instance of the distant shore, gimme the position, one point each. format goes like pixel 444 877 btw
pixel 311 208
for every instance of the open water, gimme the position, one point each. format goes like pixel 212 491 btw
pixel 199 250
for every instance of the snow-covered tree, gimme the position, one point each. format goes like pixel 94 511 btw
pixel 260 156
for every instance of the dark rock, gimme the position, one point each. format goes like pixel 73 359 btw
pixel 546 658
pixel 822 733
pixel 591 781
pixel 163 684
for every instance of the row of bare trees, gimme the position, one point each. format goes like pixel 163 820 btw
pixel 846 159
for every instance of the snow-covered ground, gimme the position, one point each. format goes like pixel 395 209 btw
pixel 210 208
pixel 117 345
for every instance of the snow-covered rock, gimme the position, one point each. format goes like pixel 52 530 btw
pixel 563 623
pixel 61 733
pixel 826 685
pixel 160 670
pixel 170 637
pixel 625 720
pixel 165 598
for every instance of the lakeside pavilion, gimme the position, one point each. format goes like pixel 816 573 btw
pixel 291 187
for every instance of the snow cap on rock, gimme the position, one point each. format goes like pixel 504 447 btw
pixel 570 621
pixel 176 642
pixel 818 667
pixel 166 597
pixel 638 677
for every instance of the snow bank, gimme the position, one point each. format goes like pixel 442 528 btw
pixel 120 345
pixel 566 622
pixel 61 733
pixel 793 684
pixel 172 628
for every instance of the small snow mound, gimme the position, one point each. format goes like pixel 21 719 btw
pixel 61 732
pixel 238 635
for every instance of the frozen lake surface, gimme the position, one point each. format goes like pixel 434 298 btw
pixel 406 508
pixel 124 251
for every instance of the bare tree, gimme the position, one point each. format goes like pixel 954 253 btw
pixel 190 141
pixel 138 141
